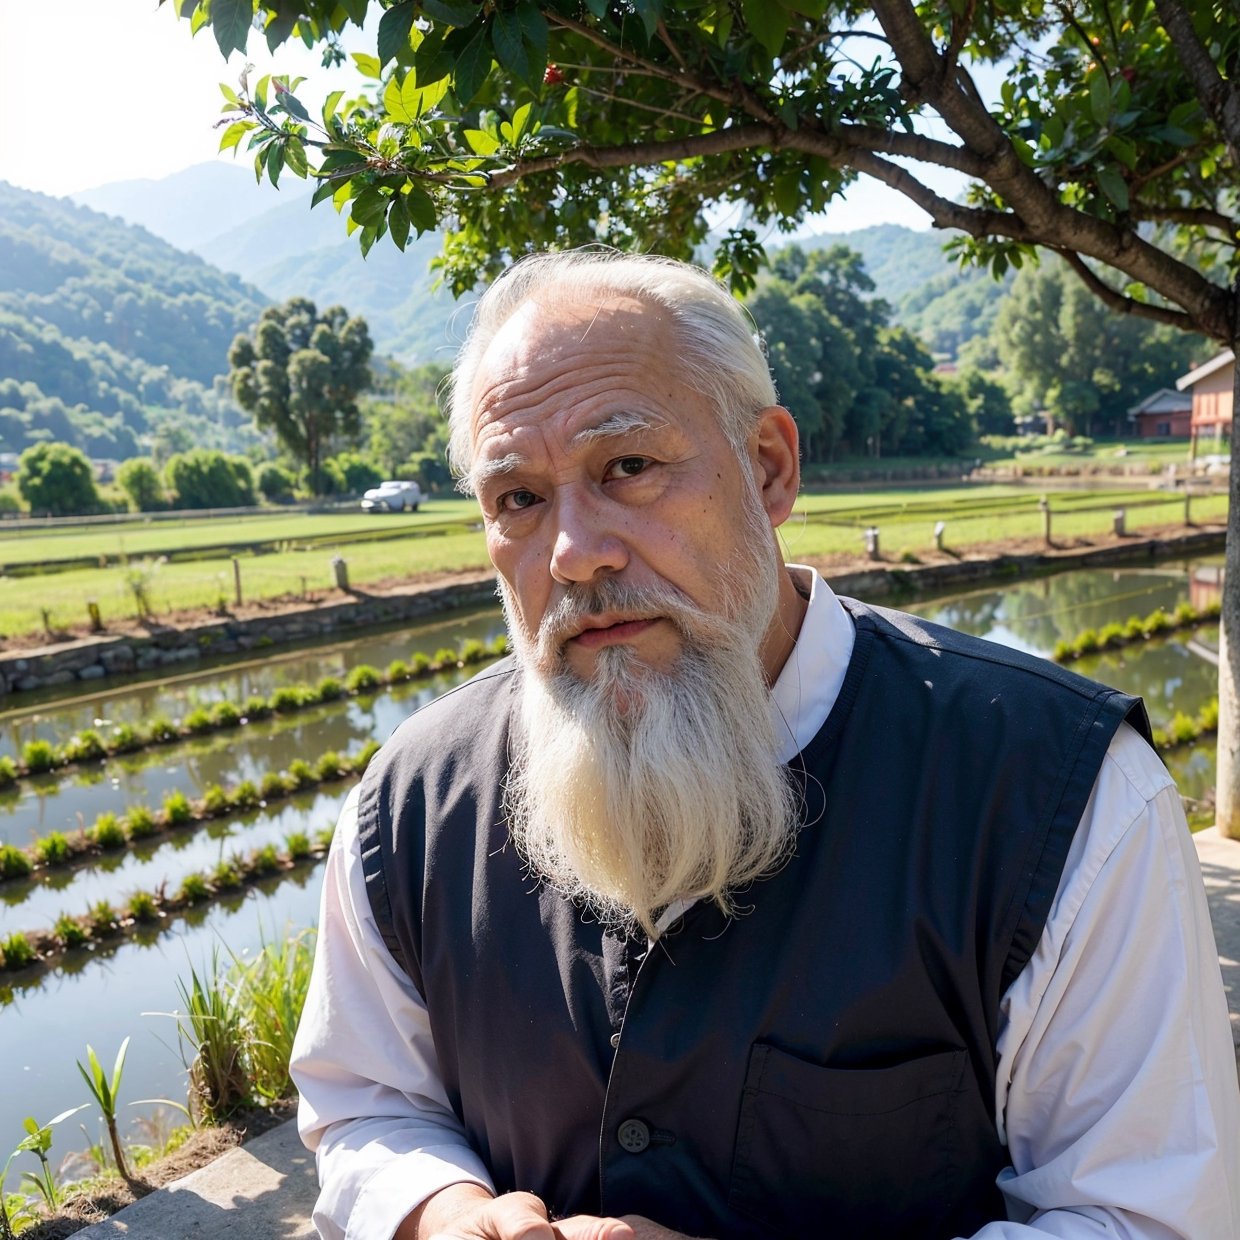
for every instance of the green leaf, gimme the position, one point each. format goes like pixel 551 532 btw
pixel 234 133
pixel 1099 97
pixel 481 143
pixel 356 9
pixel 1114 186
pixel 295 157
pixel 520 122
pixel 598 8
pixel 394 28
pixel 327 189
pixel 768 23
pixel 278 29
pixel 368 66
pixel 787 189
pixel 649 11
pixel 330 104
pixel 472 66
pixel 509 45
pixel 369 207
pixel 420 207
pixel 117 1069
pixel 398 221
pixel 275 163
pixel 450 12
pixel 292 105
pixel 1123 150
pixel 230 23
pixel 431 59
pixel 229 94
pixel 534 32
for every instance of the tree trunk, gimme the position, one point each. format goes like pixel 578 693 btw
pixel 1227 785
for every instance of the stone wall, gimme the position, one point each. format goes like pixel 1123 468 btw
pixel 94 658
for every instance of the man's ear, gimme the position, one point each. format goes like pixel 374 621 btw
pixel 776 448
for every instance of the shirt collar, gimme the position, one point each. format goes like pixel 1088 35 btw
pixel 810 680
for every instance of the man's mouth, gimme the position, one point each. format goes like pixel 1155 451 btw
pixel 603 631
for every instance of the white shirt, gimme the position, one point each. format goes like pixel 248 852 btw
pixel 1116 1089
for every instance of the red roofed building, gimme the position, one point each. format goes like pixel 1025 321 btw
pixel 1211 387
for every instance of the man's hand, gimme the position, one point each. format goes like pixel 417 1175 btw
pixel 469 1212
pixel 646 1229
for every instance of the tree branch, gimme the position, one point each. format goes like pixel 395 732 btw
pixel 1219 98
pixel 642 154
pixel 911 146
pixel 1047 220
pixel 1202 216
pixel 1125 305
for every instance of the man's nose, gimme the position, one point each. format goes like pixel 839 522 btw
pixel 587 541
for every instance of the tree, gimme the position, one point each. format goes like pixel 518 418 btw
pixel 139 479
pixel 1115 143
pixel 300 376
pixel 401 415
pixel 203 478
pixel 57 480
pixel 1063 351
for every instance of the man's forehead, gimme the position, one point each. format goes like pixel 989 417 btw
pixel 546 325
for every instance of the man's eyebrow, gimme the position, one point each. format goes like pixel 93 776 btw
pixel 619 424
pixel 482 473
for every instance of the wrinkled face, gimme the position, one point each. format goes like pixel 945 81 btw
pixel 591 460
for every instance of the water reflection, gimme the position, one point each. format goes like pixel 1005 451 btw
pixel 36 905
pixel 67 803
pixel 55 719
pixel 45 1029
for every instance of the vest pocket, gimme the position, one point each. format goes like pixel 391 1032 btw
pixel 848 1152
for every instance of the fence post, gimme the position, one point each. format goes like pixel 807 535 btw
pixel 1119 525
pixel 1188 504
pixel 340 567
pixel 871 542
pixel 237 579
pixel 1045 505
pixel 940 528
pixel 96 620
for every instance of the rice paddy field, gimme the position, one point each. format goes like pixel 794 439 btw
pixel 49 573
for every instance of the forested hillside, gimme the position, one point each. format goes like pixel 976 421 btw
pixel 926 289
pixel 103 326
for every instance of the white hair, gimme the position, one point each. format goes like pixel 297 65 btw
pixel 719 355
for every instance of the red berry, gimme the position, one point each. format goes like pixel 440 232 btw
pixel 553 76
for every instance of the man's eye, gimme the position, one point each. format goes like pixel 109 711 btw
pixel 627 467
pixel 515 501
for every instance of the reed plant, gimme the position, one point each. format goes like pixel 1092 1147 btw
pixel 363 679
pixel 105 1090
pixel 211 1034
pixel 14 863
pixel 53 849
pixel 85 746
pixel 16 950
pixel 8 771
pixel 108 832
pixel 141 822
pixel 38 756
pixel 176 809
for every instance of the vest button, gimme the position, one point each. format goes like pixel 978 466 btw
pixel 615 1040
pixel 633 1135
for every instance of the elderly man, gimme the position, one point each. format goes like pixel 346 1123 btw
pixel 728 908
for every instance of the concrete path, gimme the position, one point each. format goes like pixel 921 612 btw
pixel 266 1189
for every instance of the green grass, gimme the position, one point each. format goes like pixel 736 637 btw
pixel 137 539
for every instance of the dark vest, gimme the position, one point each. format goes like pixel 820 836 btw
pixel 822 1065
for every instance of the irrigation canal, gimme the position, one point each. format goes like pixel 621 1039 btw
pixel 103 996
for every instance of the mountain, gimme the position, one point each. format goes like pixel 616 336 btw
pixel 293 250
pixel 929 293
pixel 103 326
pixel 190 207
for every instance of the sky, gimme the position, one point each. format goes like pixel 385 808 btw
pixel 96 91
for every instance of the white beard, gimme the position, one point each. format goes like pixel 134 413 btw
pixel 637 788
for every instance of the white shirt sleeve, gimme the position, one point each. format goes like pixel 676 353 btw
pixel 372 1105
pixel 1116 1082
